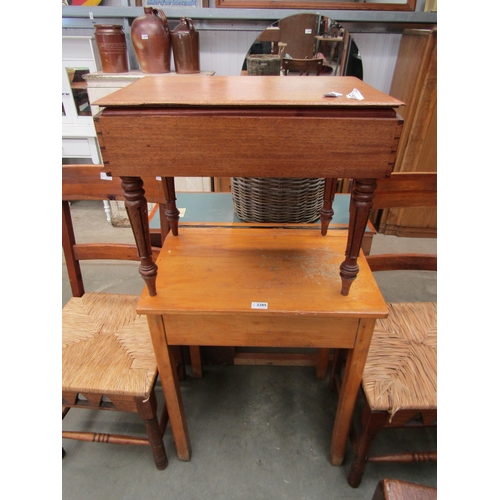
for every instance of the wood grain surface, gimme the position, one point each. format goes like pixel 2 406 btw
pixel 243 91
pixel 224 270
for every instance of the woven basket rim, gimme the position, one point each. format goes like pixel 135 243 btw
pixel 264 56
pixel 294 200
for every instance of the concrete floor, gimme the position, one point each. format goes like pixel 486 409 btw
pixel 257 432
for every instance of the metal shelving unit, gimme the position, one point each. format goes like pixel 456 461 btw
pixel 234 19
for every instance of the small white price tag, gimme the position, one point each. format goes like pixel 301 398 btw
pixel 333 94
pixel 182 212
pixel 259 305
pixel 144 37
pixel 355 94
pixel 106 177
pixel 308 31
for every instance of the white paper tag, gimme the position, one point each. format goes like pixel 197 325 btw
pixel 355 94
pixel 105 177
pixel 259 305
pixel 144 37
pixel 182 212
pixel 333 94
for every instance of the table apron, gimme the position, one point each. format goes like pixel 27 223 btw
pixel 245 330
pixel 252 146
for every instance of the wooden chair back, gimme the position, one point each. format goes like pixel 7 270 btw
pixel 302 66
pixel 408 194
pixel 90 182
pixel 401 190
pixel 406 189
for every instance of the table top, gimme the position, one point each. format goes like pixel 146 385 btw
pixel 225 271
pixel 154 91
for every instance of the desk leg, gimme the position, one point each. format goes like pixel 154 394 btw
pixel 359 211
pixel 326 213
pixel 351 382
pixel 137 211
pixel 172 216
pixel 165 359
pixel 172 211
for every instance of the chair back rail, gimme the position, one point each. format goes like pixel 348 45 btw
pixel 402 262
pixel 303 66
pixel 84 182
pixel 406 189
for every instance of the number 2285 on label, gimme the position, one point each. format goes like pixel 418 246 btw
pixel 259 305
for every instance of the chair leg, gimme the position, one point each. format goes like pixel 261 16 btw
pixel 322 363
pixel 147 410
pixel 65 410
pixel 339 356
pixel 179 362
pixel 372 423
pixel 196 363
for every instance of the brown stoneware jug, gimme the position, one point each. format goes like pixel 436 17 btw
pixel 151 41
pixel 112 48
pixel 186 47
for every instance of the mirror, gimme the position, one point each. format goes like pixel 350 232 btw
pixel 304 36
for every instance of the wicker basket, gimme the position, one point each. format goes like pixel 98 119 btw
pixel 263 64
pixel 277 199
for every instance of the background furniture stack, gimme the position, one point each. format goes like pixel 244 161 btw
pixel 415 83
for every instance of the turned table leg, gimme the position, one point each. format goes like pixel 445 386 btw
pixel 172 212
pixel 137 211
pixel 359 211
pixel 326 213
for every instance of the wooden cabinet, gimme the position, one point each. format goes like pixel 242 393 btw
pixel 78 132
pixel 415 83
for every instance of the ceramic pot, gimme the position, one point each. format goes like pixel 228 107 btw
pixel 112 48
pixel 186 47
pixel 151 41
